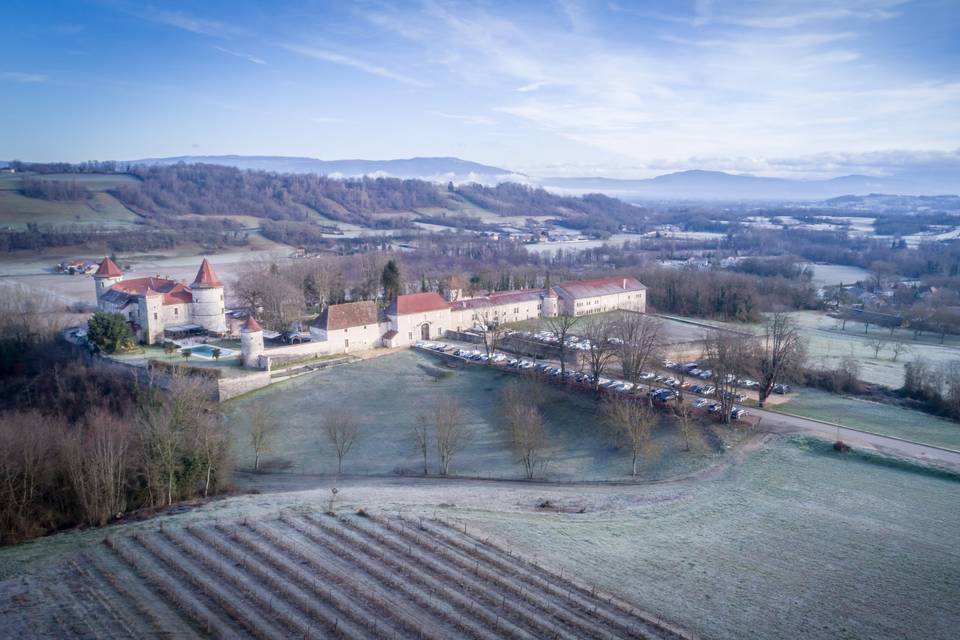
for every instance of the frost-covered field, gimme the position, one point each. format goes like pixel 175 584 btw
pixel 795 543
pixel 874 417
pixel 833 274
pixel 828 344
pixel 389 396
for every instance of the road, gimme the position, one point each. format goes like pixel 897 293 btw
pixel 783 423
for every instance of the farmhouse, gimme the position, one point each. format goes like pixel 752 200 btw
pixel 354 325
pixel 155 306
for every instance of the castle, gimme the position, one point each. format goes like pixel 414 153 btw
pixel 159 307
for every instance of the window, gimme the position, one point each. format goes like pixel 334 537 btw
pixel 154 315
pixel 346 343
pixel 176 312
pixel 410 336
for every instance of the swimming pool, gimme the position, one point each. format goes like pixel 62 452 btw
pixel 206 351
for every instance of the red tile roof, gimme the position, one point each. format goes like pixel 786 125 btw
pixel 173 292
pixel 251 325
pixel 495 299
pixel 351 314
pixel 108 269
pixel 206 278
pixel 417 303
pixel 599 286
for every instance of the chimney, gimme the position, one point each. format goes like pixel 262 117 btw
pixel 624 283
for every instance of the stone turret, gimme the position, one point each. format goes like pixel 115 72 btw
pixel 106 276
pixel 251 343
pixel 207 308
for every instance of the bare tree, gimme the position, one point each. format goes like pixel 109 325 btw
pixel 97 463
pixel 878 345
pixel 632 421
pixel 899 349
pixel 450 431
pixel 528 434
pixel 725 355
pixel 601 350
pixel 342 430
pixel 263 428
pixel 275 296
pixel 561 326
pixel 493 333
pixel 684 415
pixel 639 338
pixel 777 353
pixel 421 439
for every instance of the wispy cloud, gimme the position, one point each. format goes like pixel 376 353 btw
pixel 469 119
pixel 244 56
pixel 24 78
pixel 354 63
pixel 533 86
pixel 326 120
pixel 187 22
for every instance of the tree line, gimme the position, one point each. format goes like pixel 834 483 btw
pixel 82 444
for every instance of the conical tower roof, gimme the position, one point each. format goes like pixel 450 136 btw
pixel 251 325
pixel 206 278
pixel 108 269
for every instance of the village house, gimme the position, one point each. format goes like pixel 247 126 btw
pixel 354 325
pixel 159 307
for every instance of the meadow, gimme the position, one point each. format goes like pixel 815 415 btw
pixel 798 541
pixel 390 394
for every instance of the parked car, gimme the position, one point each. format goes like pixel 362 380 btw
pixel 781 388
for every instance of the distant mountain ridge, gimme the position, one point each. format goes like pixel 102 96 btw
pixel 718 185
pixel 694 184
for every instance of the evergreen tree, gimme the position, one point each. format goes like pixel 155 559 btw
pixel 390 279
pixel 109 332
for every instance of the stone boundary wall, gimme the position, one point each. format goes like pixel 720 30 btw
pixel 232 387
pixel 219 389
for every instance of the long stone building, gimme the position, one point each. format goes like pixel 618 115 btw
pixel 155 306
pixel 426 316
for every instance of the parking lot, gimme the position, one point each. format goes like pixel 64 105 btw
pixel 660 386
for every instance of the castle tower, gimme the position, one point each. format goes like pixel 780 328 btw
pixel 151 316
pixel 251 343
pixel 106 276
pixel 207 308
pixel 549 303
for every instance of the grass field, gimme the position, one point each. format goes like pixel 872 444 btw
pixel 874 417
pixel 828 344
pixel 795 543
pixel 101 210
pixel 391 392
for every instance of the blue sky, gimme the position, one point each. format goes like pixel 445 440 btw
pixel 796 88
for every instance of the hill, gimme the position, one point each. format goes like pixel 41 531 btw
pixel 429 168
